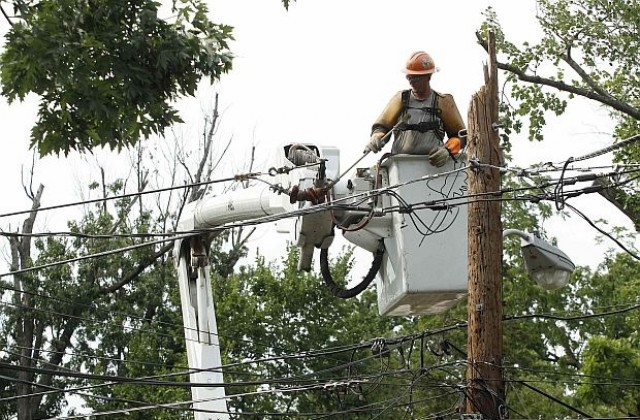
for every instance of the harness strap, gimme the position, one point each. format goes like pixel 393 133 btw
pixel 424 126
pixel 421 127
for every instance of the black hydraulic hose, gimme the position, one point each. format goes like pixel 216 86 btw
pixel 338 291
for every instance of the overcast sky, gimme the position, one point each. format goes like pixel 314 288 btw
pixel 321 73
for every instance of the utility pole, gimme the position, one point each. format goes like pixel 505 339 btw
pixel 485 385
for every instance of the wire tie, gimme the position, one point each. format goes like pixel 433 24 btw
pixel 475 164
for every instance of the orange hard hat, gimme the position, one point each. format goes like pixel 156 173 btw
pixel 420 63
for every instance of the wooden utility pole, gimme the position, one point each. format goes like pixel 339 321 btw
pixel 485 386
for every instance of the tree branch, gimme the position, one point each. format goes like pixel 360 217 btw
pixel 584 75
pixel 618 198
pixel 137 270
pixel 561 86
pixel 207 137
pixel 6 16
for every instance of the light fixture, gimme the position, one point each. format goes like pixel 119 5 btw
pixel 548 266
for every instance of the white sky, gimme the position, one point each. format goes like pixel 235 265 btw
pixel 321 73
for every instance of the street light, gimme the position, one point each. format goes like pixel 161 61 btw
pixel 548 266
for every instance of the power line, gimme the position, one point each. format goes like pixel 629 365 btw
pixel 190 402
pixel 365 195
pixel 434 204
pixel 331 384
pixel 608 235
pixel 255 175
pixel 150 380
pixel 574 318
pixel 83 394
pixel 325 352
pixel 80 318
pixel 239 177
pixel 551 397
pixel 616 146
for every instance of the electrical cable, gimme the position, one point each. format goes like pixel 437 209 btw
pixel 325 352
pixel 239 177
pixel 149 380
pixel 608 235
pixel 601 383
pixel 243 177
pixel 304 379
pixel 69 316
pixel 572 318
pixel 556 400
pixel 337 205
pixel 91 256
pixel 184 403
pixel 606 380
pixel 83 394
pixel 373 406
pixel 77 390
pixel 102 358
pixel 243 395
pixel 608 149
pixel 144 380
pixel 340 292
pixel 253 222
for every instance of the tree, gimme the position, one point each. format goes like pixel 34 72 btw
pixel 316 353
pixel 107 73
pixel 57 315
pixel 587 50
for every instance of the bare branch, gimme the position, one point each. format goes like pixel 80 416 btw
pixel 125 212
pixel 27 226
pixel 142 265
pixel 6 16
pixel 208 140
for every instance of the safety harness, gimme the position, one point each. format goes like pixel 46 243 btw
pixel 434 125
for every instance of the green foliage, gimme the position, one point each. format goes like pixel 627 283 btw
pixel 281 319
pixel 587 49
pixel 611 369
pixel 107 71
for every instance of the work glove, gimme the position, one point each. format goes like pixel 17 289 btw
pixel 439 157
pixel 375 143
pixel 454 144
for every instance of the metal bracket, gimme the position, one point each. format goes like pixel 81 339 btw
pixel 198 252
pixel 475 164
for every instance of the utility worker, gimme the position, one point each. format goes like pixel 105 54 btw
pixel 425 117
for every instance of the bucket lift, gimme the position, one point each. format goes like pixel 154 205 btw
pixel 403 211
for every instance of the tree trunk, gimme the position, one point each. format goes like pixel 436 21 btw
pixel 25 331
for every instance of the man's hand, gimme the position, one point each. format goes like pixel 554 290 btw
pixel 439 157
pixel 375 143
